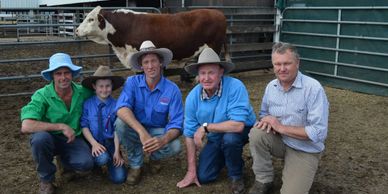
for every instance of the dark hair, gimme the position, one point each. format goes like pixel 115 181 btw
pixel 283 47
pixel 140 59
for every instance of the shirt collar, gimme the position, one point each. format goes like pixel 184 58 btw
pixel 205 96
pixel 159 86
pixel 296 84
pixel 98 101
pixel 54 94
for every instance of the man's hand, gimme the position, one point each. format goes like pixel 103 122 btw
pixel 198 137
pixel 190 178
pixel 269 123
pixel 97 149
pixel 67 131
pixel 153 144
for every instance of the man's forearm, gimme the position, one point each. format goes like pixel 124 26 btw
pixel 128 117
pixel 191 159
pixel 32 126
pixel 171 135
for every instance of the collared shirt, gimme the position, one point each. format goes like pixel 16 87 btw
pixel 89 117
pixel 304 105
pixel 47 106
pixel 159 108
pixel 205 96
pixel 233 105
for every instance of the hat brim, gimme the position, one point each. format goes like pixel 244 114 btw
pixel 193 68
pixel 165 53
pixel 75 70
pixel 117 81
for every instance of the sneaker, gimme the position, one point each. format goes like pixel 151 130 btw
pixel 238 186
pixel 155 166
pixel 261 188
pixel 46 188
pixel 134 176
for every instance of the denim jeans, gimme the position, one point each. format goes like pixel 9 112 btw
pixel 216 154
pixel 131 142
pixel 74 156
pixel 117 175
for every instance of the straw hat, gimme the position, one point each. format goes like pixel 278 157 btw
pixel 103 72
pixel 149 47
pixel 57 61
pixel 208 56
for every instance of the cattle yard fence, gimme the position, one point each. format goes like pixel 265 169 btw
pixel 29 36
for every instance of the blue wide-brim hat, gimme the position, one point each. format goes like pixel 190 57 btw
pixel 57 61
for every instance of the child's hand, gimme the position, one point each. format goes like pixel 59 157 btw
pixel 97 149
pixel 117 159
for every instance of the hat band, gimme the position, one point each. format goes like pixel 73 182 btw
pixel 147 49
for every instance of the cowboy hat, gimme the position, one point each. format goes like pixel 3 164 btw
pixel 103 72
pixel 57 61
pixel 149 47
pixel 208 56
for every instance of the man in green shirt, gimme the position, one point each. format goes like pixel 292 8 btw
pixel 52 117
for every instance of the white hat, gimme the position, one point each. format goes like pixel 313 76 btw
pixel 208 56
pixel 149 47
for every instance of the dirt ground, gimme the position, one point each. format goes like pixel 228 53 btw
pixel 355 159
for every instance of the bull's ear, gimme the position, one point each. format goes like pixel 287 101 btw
pixel 100 18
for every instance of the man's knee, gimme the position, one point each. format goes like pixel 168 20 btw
pixel 175 146
pixel 257 135
pixel 40 139
pixel 204 177
pixel 120 126
pixel 232 140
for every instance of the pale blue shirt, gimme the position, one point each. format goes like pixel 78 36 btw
pixel 304 105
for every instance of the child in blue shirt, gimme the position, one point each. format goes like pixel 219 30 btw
pixel 97 121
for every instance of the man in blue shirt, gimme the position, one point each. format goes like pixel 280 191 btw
pixel 293 125
pixel 150 111
pixel 218 108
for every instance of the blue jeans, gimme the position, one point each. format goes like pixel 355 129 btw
pixel 74 156
pixel 117 175
pixel 131 142
pixel 216 154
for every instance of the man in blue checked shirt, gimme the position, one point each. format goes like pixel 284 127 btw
pixel 293 125
pixel 150 111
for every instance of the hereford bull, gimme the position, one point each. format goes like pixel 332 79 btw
pixel 186 34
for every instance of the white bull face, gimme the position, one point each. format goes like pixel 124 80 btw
pixel 89 27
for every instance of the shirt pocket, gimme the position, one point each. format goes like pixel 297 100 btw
pixel 160 114
pixel 139 109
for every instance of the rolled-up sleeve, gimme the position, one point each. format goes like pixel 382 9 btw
pixel 238 103
pixel 35 109
pixel 84 118
pixel 175 111
pixel 190 123
pixel 317 118
pixel 126 98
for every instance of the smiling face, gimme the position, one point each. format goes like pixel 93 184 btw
pixel 209 76
pixel 285 66
pixel 152 66
pixel 103 88
pixel 62 78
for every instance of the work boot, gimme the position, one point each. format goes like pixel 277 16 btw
pixel 134 176
pixel 261 188
pixel 238 186
pixel 46 188
pixel 155 166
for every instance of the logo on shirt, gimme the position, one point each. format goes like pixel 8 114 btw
pixel 164 101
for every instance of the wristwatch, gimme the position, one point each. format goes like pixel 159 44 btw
pixel 204 125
